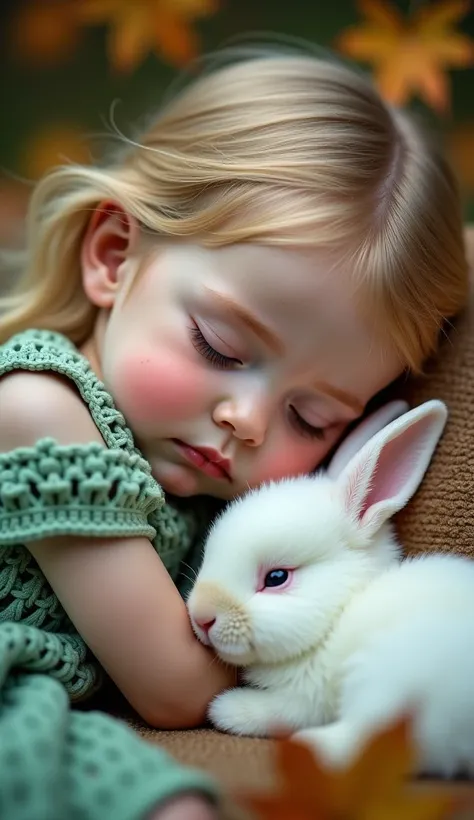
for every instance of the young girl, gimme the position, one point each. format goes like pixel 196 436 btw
pixel 207 312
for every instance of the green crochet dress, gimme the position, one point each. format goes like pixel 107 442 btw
pixel 57 763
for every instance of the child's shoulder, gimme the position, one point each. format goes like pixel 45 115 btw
pixel 36 405
pixel 38 394
pixel 48 389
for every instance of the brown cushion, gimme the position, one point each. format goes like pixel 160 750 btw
pixel 237 762
pixel 441 515
pixel 244 765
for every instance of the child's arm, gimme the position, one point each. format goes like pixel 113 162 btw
pixel 124 604
pixel 115 590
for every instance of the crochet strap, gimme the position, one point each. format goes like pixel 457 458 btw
pixel 52 489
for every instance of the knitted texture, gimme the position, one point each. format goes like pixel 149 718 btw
pixel 56 763
pixel 86 490
pixel 441 514
pixel 24 595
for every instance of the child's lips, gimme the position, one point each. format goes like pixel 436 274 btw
pixel 209 461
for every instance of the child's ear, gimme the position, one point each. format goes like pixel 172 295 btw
pixel 109 238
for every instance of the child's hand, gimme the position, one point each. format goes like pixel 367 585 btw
pixel 188 807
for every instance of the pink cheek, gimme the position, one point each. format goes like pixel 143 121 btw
pixel 288 461
pixel 160 387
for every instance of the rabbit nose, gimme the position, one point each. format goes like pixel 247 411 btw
pixel 205 624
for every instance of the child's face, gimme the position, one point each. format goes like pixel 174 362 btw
pixel 256 353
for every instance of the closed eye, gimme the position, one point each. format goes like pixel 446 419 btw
pixel 216 359
pixel 304 427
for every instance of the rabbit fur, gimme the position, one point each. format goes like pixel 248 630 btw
pixel 354 637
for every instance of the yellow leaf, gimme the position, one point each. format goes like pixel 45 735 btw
pixel 139 27
pixel 386 762
pixel 56 144
pixel 374 787
pixel 177 42
pixel 130 39
pixel 300 775
pixel 418 807
pixel 411 55
pixel 382 14
pixel 44 31
pixel 367 44
pixel 439 15
pixel 96 11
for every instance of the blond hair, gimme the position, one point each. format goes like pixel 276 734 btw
pixel 279 149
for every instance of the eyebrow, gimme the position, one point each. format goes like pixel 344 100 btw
pixel 340 395
pixel 247 318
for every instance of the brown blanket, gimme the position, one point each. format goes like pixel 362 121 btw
pixel 440 516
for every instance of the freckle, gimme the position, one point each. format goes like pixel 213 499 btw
pixel 161 386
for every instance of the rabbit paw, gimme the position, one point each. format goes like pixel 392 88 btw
pixel 335 745
pixel 247 711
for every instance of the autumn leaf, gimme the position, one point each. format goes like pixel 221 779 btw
pixel 411 55
pixel 55 144
pixel 138 27
pixel 45 32
pixel 374 787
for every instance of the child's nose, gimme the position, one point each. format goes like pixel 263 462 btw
pixel 247 419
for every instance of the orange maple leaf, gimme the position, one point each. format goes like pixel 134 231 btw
pixel 411 55
pixel 137 27
pixel 45 31
pixel 374 787
pixel 55 144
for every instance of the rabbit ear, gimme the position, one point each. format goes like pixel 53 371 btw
pixel 382 477
pixel 362 433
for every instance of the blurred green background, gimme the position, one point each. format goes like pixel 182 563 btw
pixel 60 77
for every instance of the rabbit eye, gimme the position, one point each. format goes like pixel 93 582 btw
pixel 276 577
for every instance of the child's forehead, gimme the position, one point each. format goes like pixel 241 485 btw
pixel 270 273
pixel 272 270
pixel 287 282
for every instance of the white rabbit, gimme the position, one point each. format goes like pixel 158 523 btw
pixel 303 586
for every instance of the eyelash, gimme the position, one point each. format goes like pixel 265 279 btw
pixel 213 356
pixel 305 427
pixel 222 362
